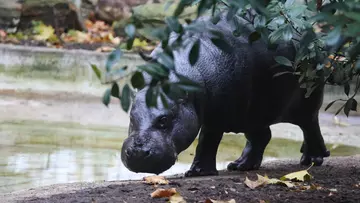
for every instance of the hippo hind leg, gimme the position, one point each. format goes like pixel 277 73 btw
pixel 252 154
pixel 313 147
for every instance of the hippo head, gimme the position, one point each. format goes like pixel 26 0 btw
pixel 157 134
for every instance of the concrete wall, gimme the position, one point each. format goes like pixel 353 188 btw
pixel 57 64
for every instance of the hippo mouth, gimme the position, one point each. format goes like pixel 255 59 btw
pixel 147 162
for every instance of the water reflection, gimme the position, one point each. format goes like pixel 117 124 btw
pixel 39 154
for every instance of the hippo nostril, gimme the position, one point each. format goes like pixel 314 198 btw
pixel 147 153
pixel 127 153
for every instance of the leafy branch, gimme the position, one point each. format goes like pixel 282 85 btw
pixel 322 32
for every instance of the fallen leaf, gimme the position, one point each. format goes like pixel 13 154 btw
pixel 43 31
pixel 288 184
pixel 254 184
pixel 176 198
pixel 302 175
pixel 264 180
pixel 156 180
pixel 105 49
pixel 158 193
pixel 2 34
pixel 208 200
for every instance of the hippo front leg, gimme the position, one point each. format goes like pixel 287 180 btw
pixel 204 163
pixel 313 147
pixel 252 155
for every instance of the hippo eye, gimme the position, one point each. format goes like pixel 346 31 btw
pixel 163 122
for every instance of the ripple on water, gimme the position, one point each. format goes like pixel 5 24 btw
pixel 39 153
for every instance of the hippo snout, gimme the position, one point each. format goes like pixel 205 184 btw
pixel 137 153
pixel 148 157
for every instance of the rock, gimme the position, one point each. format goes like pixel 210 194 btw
pixel 114 10
pixel 61 14
pixel 10 11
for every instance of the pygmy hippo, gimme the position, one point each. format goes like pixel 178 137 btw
pixel 241 95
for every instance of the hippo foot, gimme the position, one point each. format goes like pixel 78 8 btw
pixel 245 163
pixel 307 160
pixel 197 170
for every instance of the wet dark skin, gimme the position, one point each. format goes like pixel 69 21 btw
pixel 240 95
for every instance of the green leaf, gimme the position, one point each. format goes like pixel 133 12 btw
pixel 216 18
pixel 194 52
pixel 125 98
pixel 276 35
pixel 334 36
pixel 282 73
pixel 297 10
pixel 347 107
pixel 115 90
pixel 283 61
pixel 352 15
pixel 164 101
pixel 129 43
pixel 254 36
pixel 137 80
pixel 130 30
pixel 222 45
pixel 357 66
pixel 150 97
pixel 330 104
pixel 96 70
pixel 310 90
pixel 354 105
pixel 154 69
pixel 259 21
pixel 189 88
pixel 174 24
pixel 106 97
pixel 287 33
pixel 347 89
pixel 166 60
pixel 204 5
pixel 289 3
pixel 338 111
pixel 113 57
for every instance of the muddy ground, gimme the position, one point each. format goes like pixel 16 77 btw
pixel 338 178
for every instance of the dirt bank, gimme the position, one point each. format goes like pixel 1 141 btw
pixel 339 178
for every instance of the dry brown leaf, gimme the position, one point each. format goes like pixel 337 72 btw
pixel 208 200
pixel 257 183
pixel 105 49
pixel 156 180
pixel 158 193
pixel 2 34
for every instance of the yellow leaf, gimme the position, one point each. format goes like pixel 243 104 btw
pixel 302 176
pixel 176 198
pixel 138 43
pixel 43 32
pixel 280 182
pixel 208 200
pixel 264 180
pixel 156 180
